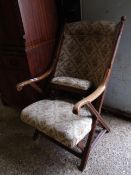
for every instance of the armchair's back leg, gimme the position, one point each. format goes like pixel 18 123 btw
pixel 35 135
pixel 87 148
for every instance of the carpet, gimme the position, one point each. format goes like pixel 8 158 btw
pixel 20 155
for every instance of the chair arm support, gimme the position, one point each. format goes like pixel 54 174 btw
pixel 89 98
pixel 20 86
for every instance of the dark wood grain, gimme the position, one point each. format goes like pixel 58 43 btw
pixel 28 35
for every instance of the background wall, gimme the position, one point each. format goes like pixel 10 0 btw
pixel 119 90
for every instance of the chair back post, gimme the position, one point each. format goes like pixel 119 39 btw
pixel 98 104
pixel 117 40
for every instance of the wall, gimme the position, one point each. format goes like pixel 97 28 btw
pixel 119 90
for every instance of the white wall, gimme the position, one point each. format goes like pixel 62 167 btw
pixel 119 90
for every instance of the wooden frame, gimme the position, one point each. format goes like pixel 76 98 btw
pixel 95 108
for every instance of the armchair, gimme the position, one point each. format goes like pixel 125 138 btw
pixel 82 66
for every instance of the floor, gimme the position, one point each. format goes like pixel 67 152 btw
pixel 19 155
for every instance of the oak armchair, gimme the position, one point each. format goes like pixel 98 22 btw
pixel 82 66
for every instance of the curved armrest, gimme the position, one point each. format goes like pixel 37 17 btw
pixel 89 98
pixel 46 74
pixel 91 108
pixel 34 80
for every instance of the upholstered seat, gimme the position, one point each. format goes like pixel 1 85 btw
pixel 55 119
pixel 75 83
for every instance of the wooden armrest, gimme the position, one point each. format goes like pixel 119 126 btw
pixel 20 86
pixel 94 95
pixel 46 74
pixel 89 98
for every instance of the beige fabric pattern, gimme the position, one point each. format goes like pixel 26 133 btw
pixel 72 82
pixel 55 119
pixel 86 50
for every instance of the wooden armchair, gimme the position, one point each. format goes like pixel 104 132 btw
pixel 83 64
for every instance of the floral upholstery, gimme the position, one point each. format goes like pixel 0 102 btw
pixel 72 82
pixel 55 119
pixel 86 50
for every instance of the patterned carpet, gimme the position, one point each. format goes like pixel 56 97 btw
pixel 19 155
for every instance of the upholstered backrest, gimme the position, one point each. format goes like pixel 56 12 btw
pixel 86 50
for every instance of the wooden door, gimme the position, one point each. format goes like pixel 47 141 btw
pixel 28 31
pixel 40 21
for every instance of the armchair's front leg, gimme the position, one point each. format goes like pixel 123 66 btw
pixel 87 148
pixel 96 118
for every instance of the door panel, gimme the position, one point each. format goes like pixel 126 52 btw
pixel 40 21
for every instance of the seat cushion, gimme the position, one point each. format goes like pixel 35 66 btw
pixel 55 119
pixel 72 82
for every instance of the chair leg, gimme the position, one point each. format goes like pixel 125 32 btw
pixel 80 145
pixel 35 135
pixel 98 116
pixel 87 149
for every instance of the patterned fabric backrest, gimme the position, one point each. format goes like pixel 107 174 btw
pixel 86 50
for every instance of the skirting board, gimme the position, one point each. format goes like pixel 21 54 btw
pixel 117 112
